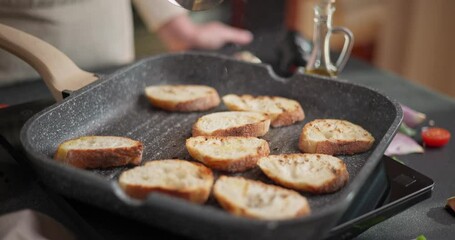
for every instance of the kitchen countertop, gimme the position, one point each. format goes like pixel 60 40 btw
pixel 427 217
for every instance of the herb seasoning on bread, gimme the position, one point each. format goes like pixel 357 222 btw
pixel 188 180
pixel 257 200
pixel 315 173
pixel 183 98
pixel 334 137
pixel 246 124
pixel 99 152
pixel 282 111
pixel 231 154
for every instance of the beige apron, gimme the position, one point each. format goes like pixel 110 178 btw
pixel 93 33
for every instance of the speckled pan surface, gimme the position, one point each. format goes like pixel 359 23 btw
pixel 116 105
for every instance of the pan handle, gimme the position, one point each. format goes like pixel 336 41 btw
pixel 57 70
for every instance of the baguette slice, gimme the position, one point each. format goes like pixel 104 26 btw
pixel 315 173
pixel 183 98
pixel 282 111
pixel 254 199
pixel 232 154
pixel 247 124
pixel 99 152
pixel 334 137
pixel 179 178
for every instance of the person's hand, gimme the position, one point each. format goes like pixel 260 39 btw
pixel 181 33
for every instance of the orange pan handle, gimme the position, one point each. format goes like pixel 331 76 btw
pixel 57 70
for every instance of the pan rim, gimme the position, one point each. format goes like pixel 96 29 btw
pixel 346 197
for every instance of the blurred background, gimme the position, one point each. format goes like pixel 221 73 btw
pixel 413 39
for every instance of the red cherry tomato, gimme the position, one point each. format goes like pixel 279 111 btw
pixel 435 137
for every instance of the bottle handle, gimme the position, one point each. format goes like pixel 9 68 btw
pixel 347 46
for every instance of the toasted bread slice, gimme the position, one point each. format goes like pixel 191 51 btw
pixel 282 111
pixel 254 199
pixel 334 137
pixel 315 173
pixel 232 154
pixel 99 152
pixel 183 98
pixel 179 178
pixel 247 124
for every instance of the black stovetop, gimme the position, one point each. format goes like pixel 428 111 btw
pixel 393 188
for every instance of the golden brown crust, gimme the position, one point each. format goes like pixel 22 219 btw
pixel 286 118
pixel 209 101
pixel 103 158
pixel 289 117
pixel 336 147
pixel 239 165
pixel 231 165
pixel 231 206
pixel 198 196
pixel 257 129
pixel 451 203
pixel 303 212
pixel 194 194
pixel 332 146
pixel 340 179
pixel 199 104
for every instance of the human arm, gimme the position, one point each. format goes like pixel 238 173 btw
pixel 178 32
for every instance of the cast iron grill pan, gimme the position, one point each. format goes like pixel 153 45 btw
pixel 116 105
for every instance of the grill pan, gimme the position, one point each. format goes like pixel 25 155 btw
pixel 116 105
